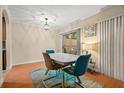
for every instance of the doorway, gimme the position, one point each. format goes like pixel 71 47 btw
pixel 4 58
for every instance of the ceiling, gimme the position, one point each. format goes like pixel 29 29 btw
pixel 58 15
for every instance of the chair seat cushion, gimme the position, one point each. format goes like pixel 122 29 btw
pixel 69 70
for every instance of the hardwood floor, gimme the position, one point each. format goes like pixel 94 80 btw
pixel 19 77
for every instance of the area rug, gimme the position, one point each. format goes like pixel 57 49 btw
pixel 38 76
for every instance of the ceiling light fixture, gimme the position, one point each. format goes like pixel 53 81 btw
pixel 46 26
pixel 47 20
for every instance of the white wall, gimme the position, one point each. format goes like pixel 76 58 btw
pixel 29 41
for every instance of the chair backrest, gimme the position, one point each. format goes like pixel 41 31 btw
pixel 48 61
pixel 50 51
pixel 81 65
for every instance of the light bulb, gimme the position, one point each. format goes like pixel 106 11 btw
pixel 46 27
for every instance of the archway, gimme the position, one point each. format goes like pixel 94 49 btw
pixel 4 39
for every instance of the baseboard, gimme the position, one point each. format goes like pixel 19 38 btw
pixel 1 78
pixel 1 82
pixel 26 62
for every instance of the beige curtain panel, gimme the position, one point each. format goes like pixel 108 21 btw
pixel 111 47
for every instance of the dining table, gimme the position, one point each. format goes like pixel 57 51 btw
pixel 63 59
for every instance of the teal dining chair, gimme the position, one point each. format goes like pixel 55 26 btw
pixel 79 68
pixel 50 51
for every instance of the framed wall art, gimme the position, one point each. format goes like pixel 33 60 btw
pixel 90 31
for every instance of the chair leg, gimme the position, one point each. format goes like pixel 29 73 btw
pixel 47 72
pixel 44 84
pixel 49 78
pixel 78 79
pixel 79 84
pixel 43 81
pixel 56 85
pixel 63 81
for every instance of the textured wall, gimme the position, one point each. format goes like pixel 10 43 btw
pixel 29 41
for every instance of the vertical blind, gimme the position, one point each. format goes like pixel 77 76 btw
pixel 111 37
